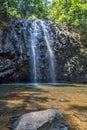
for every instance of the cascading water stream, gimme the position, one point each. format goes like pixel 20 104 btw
pixel 34 40
pixel 33 47
pixel 39 24
pixel 51 55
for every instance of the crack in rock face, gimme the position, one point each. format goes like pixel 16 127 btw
pixel 50 119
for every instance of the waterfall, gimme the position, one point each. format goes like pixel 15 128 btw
pixel 36 28
pixel 51 55
pixel 36 51
pixel 32 43
pixel 33 33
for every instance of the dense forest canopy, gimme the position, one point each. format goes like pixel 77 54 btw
pixel 72 13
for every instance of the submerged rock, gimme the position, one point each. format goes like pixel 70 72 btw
pixel 63 100
pixel 50 119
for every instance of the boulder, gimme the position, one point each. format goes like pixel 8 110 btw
pixel 50 119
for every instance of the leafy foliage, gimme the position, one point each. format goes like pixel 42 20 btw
pixel 3 9
pixel 72 13
pixel 23 8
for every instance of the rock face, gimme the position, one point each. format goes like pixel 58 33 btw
pixel 50 119
pixel 39 51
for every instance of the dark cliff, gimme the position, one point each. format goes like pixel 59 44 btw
pixel 16 55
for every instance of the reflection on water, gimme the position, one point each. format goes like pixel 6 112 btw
pixel 35 84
